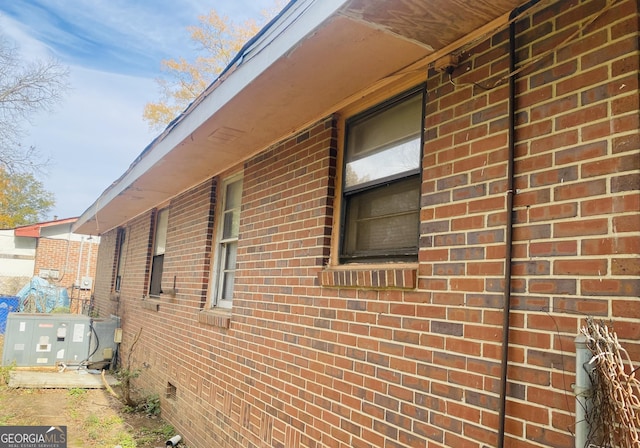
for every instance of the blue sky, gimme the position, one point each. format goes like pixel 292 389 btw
pixel 113 49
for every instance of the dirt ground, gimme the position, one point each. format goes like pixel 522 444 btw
pixel 93 417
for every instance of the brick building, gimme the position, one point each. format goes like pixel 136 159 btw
pixel 51 251
pixel 367 233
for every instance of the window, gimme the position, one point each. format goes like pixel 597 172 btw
pixel 121 236
pixel 159 243
pixel 381 186
pixel 227 242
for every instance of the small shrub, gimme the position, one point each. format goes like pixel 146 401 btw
pixel 125 376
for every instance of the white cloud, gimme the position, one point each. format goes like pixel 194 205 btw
pixel 29 46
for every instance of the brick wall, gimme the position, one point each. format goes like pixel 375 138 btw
pixel 577 177
pixel 312 360
pixel 105 303
pixel 73 260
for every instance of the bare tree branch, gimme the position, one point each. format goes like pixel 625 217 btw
pixel 26 88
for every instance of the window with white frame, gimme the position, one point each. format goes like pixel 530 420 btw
pixel 159 246
pixel 381 182
pixel 226 249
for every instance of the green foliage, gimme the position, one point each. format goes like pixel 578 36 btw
pixel 149 405
pixel 149 435
pixel 125 376
pixel 61 310
pixel 77 392
pixel 97 428
pixel 167 431
pixel 5 374
pixel 23 200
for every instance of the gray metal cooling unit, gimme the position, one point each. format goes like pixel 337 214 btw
pixel 38 339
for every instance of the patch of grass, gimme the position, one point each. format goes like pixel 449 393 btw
pixel 150 435
pixel 167 431
pixel 6 419
pixel 108 430
pixel 77 392
pixel 125 440
pixel 76 397
pixel 93 419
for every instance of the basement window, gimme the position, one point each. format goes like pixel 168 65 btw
pixel 381 184
pixel 171 392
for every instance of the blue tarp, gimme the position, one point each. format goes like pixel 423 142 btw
pixel 39 296
pixel 8 304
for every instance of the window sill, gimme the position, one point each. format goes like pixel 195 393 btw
pixel 215 318
pixel 370 277
pixel 150 305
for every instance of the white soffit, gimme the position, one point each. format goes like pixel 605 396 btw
pixel 283 36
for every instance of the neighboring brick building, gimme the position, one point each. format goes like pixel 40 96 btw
pixel 319 251
pixel 51 251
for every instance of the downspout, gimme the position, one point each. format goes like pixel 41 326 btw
pixel 582 389
pixel 509 221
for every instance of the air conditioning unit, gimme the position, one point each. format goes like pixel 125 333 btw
pixel 46 339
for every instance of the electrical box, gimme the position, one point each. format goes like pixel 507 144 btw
pixel 46 339
pixel 86 283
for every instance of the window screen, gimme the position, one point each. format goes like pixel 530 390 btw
pixel 382 182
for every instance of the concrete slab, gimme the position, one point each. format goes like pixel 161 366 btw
pixel 30 379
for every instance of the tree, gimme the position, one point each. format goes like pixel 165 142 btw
pixel 23 199
pixel 25 88
pixel 218 39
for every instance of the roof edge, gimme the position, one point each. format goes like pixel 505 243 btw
pixel 297 19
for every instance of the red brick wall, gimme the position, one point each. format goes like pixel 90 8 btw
pixel 70 259
pixel 103 284
pixel 577 177
pixel 305 365
pixel 135 264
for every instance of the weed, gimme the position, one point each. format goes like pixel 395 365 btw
pixel 151 405
pixel 5 374
pixel 167 431
pixel 97 428
pixel 149 435
pixel 77 392
pixel 125 440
